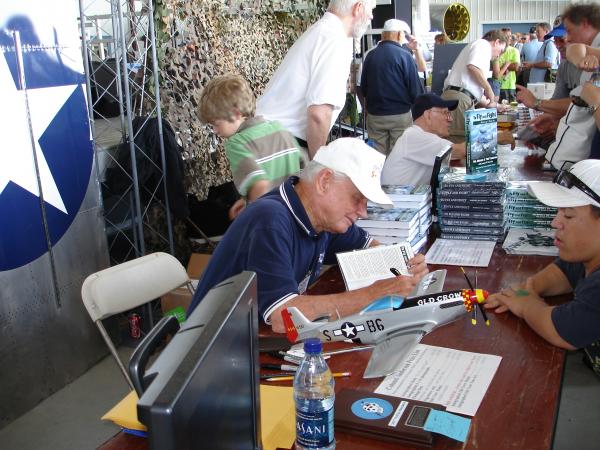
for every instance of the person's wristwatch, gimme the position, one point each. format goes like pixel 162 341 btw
pixel 537 104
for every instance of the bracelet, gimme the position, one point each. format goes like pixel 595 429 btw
pixel 537 104
pixel 593 109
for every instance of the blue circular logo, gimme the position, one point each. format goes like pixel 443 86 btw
pixel 46 163
pixel 372 408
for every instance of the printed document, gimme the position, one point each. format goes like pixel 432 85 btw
pixel 362 268
pixel 460 253
pixel 453 378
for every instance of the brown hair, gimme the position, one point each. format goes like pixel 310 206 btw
pixel 577 12
pixel 222 96
pixel 493 35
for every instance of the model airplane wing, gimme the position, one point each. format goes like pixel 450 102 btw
pixel 388 354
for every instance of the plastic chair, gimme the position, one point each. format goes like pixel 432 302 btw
pixel 131 284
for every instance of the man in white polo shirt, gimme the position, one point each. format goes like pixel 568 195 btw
pixel 467 81
pixel 412 158
pixel 308 90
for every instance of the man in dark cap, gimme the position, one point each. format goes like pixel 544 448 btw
pixel 411 160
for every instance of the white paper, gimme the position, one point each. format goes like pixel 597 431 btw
pixel 460 253
pixel 453 378
pixel 362 268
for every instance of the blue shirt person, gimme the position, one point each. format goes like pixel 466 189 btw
pixel 286 236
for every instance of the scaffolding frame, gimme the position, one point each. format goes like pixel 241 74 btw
pixel 120 60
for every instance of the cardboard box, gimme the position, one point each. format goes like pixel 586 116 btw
pixel 182 296
pixel 197 264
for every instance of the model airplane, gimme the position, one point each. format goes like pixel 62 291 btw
pixel 394 324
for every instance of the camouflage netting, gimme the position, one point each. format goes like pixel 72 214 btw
pixel 200 39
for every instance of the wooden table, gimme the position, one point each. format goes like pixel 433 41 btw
pixel 520 407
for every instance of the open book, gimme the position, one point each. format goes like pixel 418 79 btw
pixel 361 268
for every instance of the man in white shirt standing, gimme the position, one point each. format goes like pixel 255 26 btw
pixel 467 81
pixel 308 90
pixel 412 158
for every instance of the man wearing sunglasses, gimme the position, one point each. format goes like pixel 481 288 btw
pixel 575 324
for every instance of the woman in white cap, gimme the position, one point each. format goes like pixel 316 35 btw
pixel 575 324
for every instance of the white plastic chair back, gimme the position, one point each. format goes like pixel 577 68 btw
pixel 128 285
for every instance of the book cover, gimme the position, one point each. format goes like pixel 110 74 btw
pixel 473 192
pixel 407 192
pixel 377 416
pixel 405 233
pixel 449 206
pixel 471 237
pixel 493 231
pixel 390 218
pixel 530 241
pixel 442 201
pixel 472 222
pixel 486 215
pixel 481 133
pixel 459 178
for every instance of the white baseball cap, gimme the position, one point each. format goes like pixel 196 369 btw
pixel 359 162
pixel 396 25
pixel 571 188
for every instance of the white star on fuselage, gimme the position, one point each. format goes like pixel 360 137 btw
pixel 349 330
pixel 16 156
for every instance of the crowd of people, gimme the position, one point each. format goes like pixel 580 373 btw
pixel 303 196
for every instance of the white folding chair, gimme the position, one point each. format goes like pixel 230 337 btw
pixel 129 285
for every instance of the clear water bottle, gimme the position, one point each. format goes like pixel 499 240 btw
pixel 314 396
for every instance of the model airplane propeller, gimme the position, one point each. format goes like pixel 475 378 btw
pixel 393 324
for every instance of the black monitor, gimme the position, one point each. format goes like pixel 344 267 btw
pixel 440 166
pixel 202 392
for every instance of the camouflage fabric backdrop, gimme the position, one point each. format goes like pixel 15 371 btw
pixel 198 40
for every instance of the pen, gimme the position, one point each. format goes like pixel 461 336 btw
pixel 277 376
pixel 285 357
pixel 291 377
pixel 395 271
pixel 290 358
pixel 286 367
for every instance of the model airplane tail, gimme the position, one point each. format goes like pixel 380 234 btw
pixel 294 320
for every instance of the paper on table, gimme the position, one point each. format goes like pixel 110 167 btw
pixel 124 413
pixel 362 268
pixel 277 416
pixel 453 378
pixel 460 253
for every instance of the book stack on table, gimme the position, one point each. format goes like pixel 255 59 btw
pixel 409 219
pixel 523 210
pixel 471 206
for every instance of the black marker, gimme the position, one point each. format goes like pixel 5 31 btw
pixel 284 367
pixel 395 271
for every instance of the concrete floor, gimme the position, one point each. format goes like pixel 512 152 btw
pixel 70 419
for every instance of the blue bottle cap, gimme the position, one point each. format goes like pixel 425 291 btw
pixel 313 345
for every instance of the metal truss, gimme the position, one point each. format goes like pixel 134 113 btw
pixel 120 57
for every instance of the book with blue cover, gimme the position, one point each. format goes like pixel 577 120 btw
pixel 407 192
pixel 481 133
pixel 390 218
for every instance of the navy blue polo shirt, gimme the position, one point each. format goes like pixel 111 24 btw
pixel 389 80
pixel 274 238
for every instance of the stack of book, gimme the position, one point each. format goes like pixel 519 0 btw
pixel 471 206
pixel 395 225
pixel 405 197
pixel 523 210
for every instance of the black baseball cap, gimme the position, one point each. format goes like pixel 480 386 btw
pixel 427 101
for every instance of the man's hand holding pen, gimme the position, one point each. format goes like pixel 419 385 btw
pixel 404 285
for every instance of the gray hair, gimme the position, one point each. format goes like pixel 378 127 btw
pixel 341 7
pixel 313 168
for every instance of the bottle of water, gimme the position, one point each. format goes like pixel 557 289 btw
pixel 314 396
